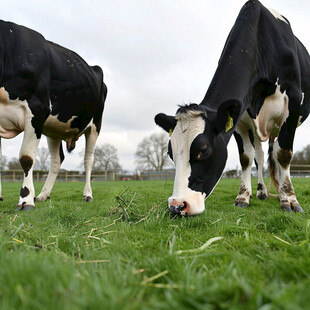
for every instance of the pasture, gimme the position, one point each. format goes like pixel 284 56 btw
pixel 125 251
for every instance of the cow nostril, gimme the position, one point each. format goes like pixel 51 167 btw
pixel 178 208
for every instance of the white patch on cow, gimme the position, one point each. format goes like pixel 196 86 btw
pixel 302 102
pixel 277 82
pixel 13 114
pixel 53 146
pixel 277 15
pixel 16 118
pixel 245 190
pixel 286 191
pixel 188 127
pixel 272 115
pixel 91 136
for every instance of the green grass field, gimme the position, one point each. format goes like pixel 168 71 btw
pixel 125 251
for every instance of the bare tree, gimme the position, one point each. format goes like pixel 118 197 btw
pixel 105 158
pixel 152 152
pixel 42 159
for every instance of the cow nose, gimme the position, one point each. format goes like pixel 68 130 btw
pixel 178 208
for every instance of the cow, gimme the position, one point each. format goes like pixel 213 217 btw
pixel 260 91
pixel 47 89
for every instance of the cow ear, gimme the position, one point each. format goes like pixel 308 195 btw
pixel 227 116
pixel 165 121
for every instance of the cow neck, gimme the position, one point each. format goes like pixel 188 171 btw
pixel 237 66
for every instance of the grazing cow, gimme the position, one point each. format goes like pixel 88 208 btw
pixel 260 91
pixel 47 89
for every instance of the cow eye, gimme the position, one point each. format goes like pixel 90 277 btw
pixel 203 152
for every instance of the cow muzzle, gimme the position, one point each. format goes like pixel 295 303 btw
pixel 191 205
pixel 178 209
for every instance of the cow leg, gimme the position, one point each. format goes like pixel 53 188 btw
pixel 246 154
pixel 282 154
pixel 1 198
pixel 56 158
pixel 259 159
pixel 27 157
pixel 287 197
pixel 91 136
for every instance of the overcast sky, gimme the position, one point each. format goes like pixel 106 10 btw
pixel 155 54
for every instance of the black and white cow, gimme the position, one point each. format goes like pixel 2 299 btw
pixel 47 89
pixel 260 90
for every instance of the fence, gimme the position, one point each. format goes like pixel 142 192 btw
pixel 113 175
pixel 63 176
pixel 301 171
pixel 157 175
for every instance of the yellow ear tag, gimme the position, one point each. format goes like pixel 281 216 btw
pixel 229 123
pixel 170 132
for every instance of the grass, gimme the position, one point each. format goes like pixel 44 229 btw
pixel 125 251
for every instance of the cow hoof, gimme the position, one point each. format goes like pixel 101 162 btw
pixel 286 208
pixel 1 198
pixel 241 204
pixel 298 209
pixel 88 198
pixel 262 197
pixel 24 207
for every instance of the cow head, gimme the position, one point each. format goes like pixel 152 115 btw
pixel 198 147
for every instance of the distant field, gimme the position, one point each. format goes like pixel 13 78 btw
pixel 125 251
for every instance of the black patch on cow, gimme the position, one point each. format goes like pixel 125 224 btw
pixel 45 73
pixel 259 187
pixel 207 168
pixel 239 141
pixel 251 137
pixel 26 163
pixel 170 150
pixel 244 161
pixel 165 121
pixel 24 192
pixel 287 132
pixel 61 153
pixel 263 88
pixel 37 125
pixel 256 164
pixel 284 158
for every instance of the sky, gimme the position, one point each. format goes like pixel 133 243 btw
pixel 155 54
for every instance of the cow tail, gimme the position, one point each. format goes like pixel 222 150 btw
pixel 102 97
pixel 272 169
